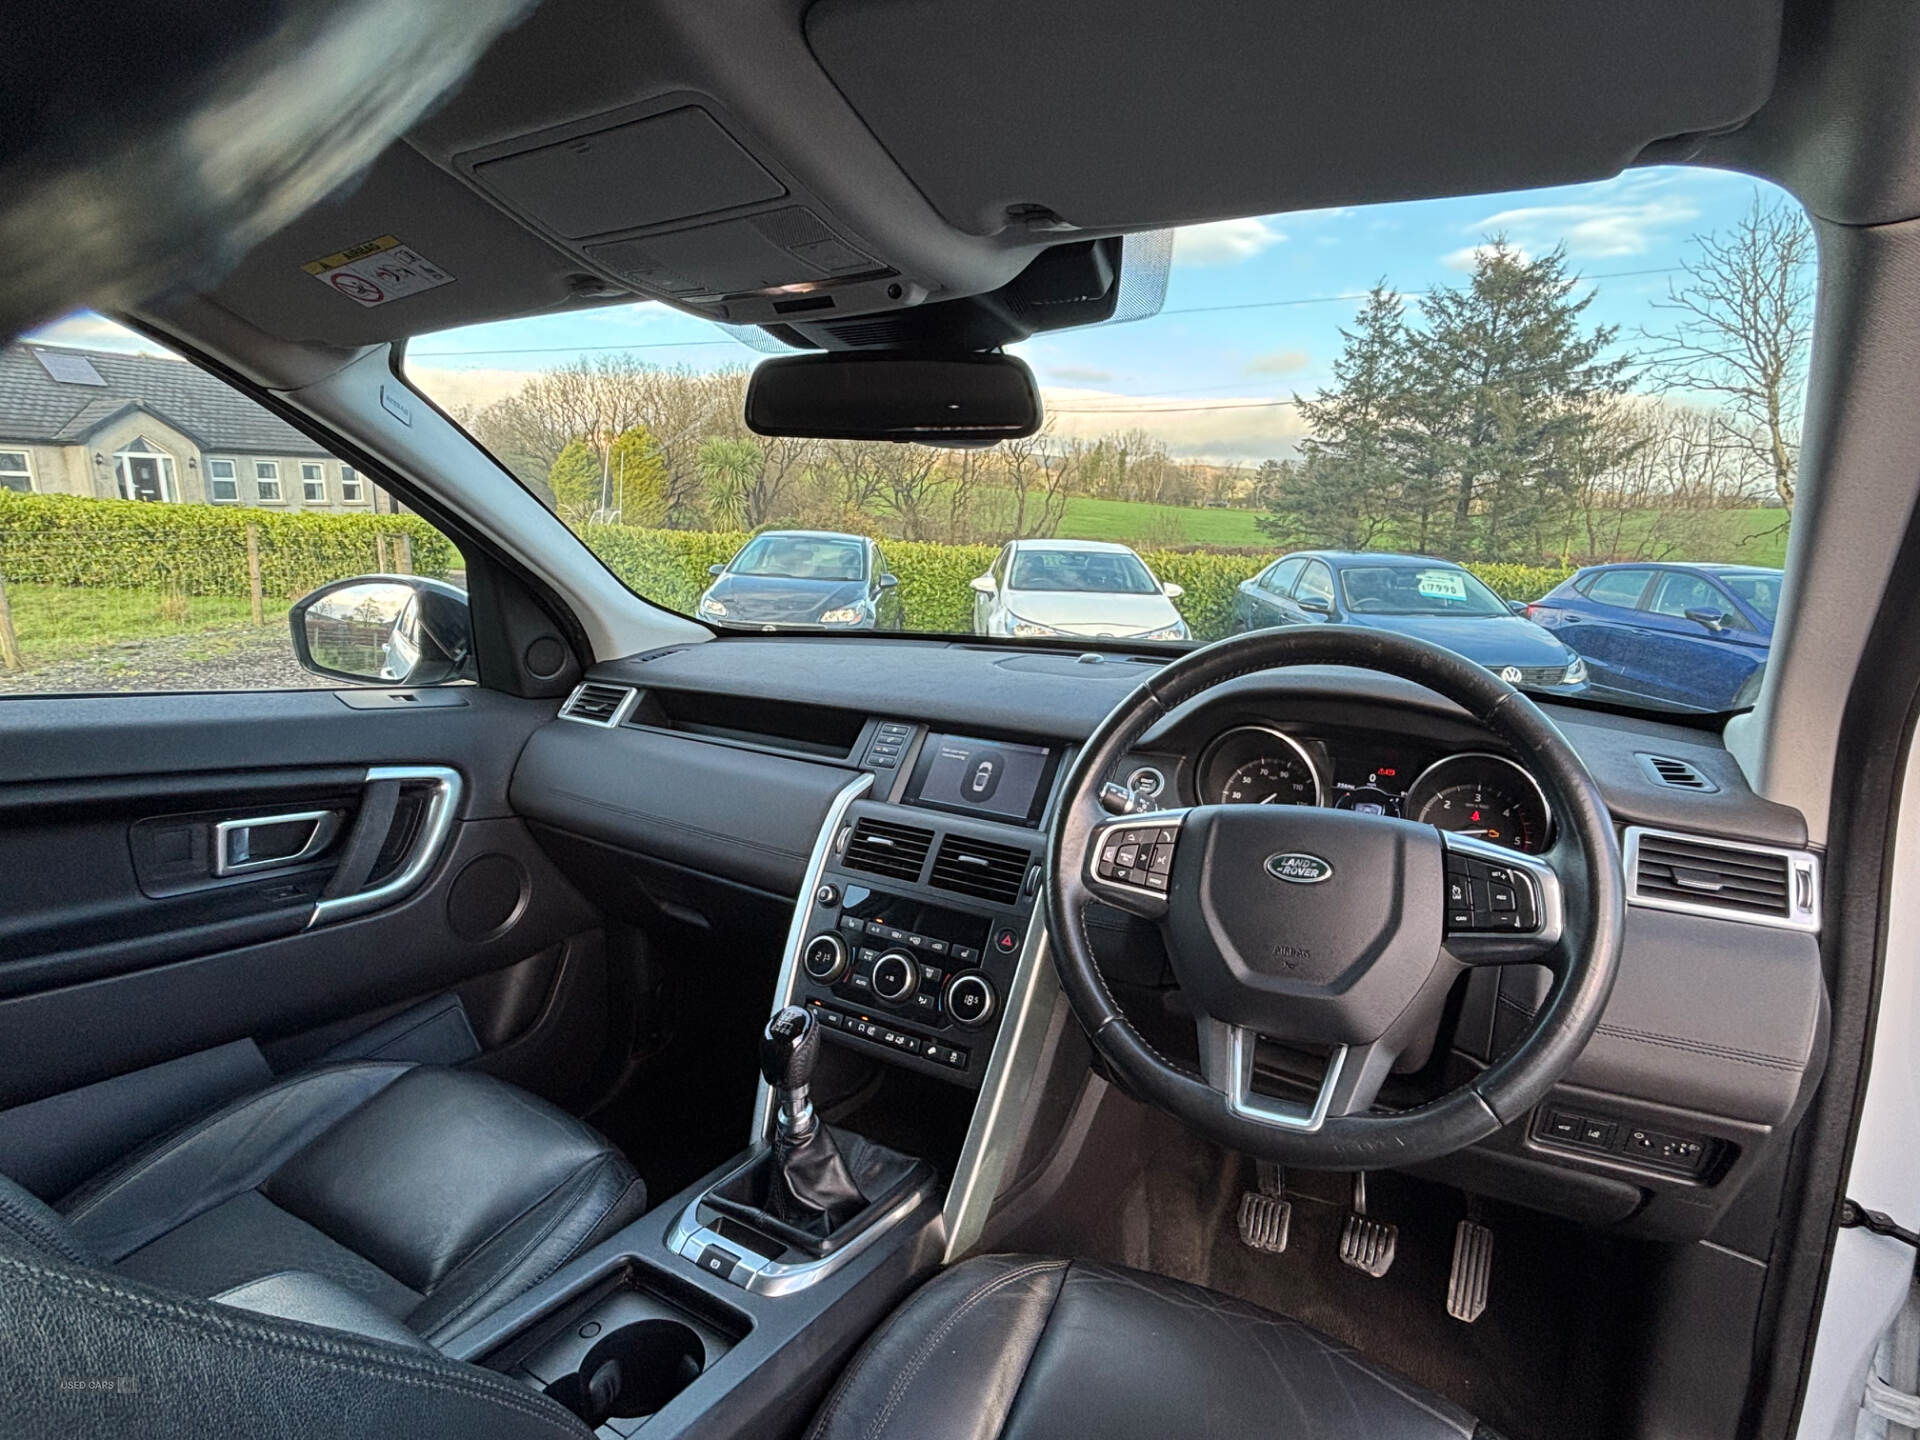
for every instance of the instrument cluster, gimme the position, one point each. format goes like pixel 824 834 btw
pixel 1475 793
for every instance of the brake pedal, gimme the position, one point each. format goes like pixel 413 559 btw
pixel 1266 1215
pixel 1472 1274
pixel 1365 1243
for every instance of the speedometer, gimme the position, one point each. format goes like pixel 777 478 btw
pixel 1253 765
pixel 1484 796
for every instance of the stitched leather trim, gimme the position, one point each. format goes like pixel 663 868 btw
pixel 317 1348
pixel 112 1182
pixel 35 1230
pixel 904 1380
pixel 1674 1042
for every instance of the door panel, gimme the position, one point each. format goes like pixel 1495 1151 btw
pixel 120 947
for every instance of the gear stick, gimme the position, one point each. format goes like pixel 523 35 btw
pixel 809 1185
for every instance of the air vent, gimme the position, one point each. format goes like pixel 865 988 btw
pixel 897 851
pixel 980 868
pixel 1675 774
pixel 593 704
pixel 1755 883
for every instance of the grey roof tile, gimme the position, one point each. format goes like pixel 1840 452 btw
pixel 36 407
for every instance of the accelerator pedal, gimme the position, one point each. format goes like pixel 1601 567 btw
pixel 1472 1274
pixel 1367 1244
pixel 1266 1215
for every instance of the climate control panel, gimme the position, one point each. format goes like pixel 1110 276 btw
pixel 922 983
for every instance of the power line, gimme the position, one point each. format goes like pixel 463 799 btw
pixel 1182 310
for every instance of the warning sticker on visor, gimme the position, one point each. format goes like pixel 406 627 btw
pixel 377 272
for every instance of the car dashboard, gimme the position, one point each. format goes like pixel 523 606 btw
pixel 894 797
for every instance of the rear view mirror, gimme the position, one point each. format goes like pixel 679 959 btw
pixel 951 400
pixel 385 630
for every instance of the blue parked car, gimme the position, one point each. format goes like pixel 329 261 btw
pixel 1433 600
pixel 1678 635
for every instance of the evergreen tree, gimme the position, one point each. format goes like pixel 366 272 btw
pixel 633 487
pixel 1347 489
pixel 1507 403
pixel 575 480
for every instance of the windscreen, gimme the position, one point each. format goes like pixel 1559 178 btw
pixel 801 557
pixel 1087 572
pixel 1518 385
pixel 1404 590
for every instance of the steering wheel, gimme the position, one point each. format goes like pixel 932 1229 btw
pixel 1333 932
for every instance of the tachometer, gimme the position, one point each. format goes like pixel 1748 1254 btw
pixel 1485 796
pixel 1257 766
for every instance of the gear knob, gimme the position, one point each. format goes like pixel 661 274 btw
pixel 788 1047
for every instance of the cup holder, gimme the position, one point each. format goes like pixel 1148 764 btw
pixel 632 1372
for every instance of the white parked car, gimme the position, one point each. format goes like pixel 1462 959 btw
pixel 1074 587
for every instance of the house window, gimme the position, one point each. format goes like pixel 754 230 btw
pixel 15 474
pixel 223 484
pixel 313 483
pixel 350 485
pixel 266 478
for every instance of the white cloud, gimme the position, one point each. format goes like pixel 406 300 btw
pixel 1593 231
pixel 96 332
pixel 1224 430
pixel 1224 242
pixel 1469 257
pixel 457 389
pixel 1280 362
pixel 1085 374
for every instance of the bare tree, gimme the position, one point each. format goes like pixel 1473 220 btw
pixel 1743 319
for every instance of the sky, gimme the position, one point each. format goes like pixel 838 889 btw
pixel 1252 315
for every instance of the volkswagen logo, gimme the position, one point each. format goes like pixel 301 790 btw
pixel 1297 869
pixel 1512 675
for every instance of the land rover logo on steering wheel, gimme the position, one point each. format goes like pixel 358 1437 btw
pixel 1297 869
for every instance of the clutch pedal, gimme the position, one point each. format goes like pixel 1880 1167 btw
pixel 1266 1215
pixel 1472 1274
pixel 1365 1243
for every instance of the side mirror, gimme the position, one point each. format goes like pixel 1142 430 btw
pixel 1713 620
pixel 982 584
pixel 888 580
pixel 1517 607
pixel 716 569
pixel 385 630
pixel 1171 590
pixel 1316 605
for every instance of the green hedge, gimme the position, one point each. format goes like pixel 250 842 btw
pixel 198 549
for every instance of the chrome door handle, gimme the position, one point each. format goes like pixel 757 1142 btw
pixel 236 842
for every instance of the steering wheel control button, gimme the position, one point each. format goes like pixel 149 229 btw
pixel 896 977
pixel 1141 856
pixel 1483 897
pixel 971 999
pixel 826 958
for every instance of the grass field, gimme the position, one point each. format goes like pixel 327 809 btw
pixel 1741 537
pixel 54 622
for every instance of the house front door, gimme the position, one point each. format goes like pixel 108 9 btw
pixel 143 478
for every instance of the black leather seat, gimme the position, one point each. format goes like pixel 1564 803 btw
pixel 401 1202
pixel 1019 1347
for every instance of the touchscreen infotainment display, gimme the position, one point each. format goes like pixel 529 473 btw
pixel 981 777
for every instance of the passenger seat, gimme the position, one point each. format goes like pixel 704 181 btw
pixel 404 1202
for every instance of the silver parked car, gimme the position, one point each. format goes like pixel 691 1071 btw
pixel 1074 587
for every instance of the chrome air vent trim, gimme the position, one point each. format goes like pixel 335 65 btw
pixel 594 702
pixel 1799 872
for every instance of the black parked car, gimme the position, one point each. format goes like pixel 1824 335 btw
pixel 804 579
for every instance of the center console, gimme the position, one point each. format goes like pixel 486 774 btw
pixel 916 965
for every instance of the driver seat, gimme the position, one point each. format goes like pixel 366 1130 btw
pixel 1021 1347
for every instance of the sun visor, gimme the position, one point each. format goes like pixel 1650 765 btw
pixel 1135 113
